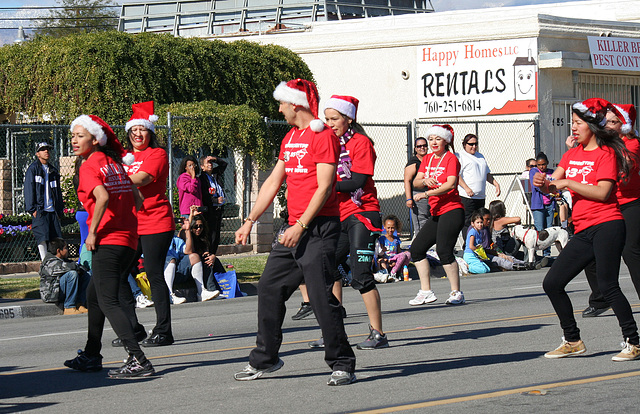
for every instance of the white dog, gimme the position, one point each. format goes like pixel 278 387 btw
pixel 534 240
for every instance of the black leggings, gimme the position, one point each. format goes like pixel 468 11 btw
pixel 630 254
pixel 442 231
pixel 110 268
pixel 603 243
pixel 359 243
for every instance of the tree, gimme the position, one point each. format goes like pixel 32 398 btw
pixel 79 16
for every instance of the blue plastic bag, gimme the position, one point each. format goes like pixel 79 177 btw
pixel 229 284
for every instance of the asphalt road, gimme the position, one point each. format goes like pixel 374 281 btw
pixel 485 356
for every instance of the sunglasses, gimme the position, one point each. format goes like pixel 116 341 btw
pixel 422 146
pixel 531 165
pixel 197 227
pixel 472 144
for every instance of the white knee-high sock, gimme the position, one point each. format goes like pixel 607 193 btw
pixel 170 275
pixel 196 273
pixel 42 249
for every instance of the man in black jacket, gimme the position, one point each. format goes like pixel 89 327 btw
pixel 213 197
pixel 43 198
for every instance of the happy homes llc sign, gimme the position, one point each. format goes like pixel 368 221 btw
pixel 478 78
pixel 614 53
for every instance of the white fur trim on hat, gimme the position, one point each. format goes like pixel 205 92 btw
pixel 145 123
pixel 316 125
pixel 128 159
pixel 584 110
pixel 342 106
pixel 440 132
pixel 92 126
pixel 283 93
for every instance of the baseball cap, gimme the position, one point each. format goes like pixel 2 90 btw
pixel 42 146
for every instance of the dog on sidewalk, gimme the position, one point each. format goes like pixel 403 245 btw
pixel 539 240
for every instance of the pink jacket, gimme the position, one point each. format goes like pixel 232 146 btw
pixel 189 192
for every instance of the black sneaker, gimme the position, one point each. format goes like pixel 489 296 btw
pixel 375 340
pixel 304 311
pixel 157 340
pixel 592 312
pixel 133 368
pixel 140 336
pixel 84 362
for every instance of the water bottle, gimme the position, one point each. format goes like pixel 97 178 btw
pixel 405 274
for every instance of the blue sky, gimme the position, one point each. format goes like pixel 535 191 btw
pixel 8 35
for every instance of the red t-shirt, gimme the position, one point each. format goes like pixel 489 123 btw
pixel 156 215
pixel 301 150
pixel 119 223
pixel 631 190
pixel 363 160
pixel 589 167
pixel 441 169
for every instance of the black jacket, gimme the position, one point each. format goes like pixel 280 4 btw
pixel 34 180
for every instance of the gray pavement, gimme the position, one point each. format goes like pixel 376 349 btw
pixel 485 356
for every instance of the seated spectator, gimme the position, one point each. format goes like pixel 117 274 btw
pixel 391 258
pixel 499 230
pixel 62 280
pixel 189 256
pixel 498 260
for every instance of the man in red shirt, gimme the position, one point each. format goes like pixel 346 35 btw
pixel 306 250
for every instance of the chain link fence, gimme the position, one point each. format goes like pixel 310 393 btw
pixel 505 144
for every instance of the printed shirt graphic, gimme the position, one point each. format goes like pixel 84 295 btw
pixel 589 167
pixel 391 247
pixel 301 150
pixel 119 223
pixel 630 190
pixel 156 215
pixel 363 159
pixel 449 166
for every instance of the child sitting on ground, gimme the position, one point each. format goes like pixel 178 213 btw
pixel 63 280
pixel 391 258
pixel 499 231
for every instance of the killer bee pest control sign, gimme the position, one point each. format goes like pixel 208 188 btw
pixel 478 78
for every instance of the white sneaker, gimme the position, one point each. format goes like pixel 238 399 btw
pixel 177 300
pixel 142 301
pixel 381 277
pixel 455 298
pixel 423 296
pixel 208 295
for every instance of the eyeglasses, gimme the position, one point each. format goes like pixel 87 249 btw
pixel 472 144
pixel 421 146
pixel 197 227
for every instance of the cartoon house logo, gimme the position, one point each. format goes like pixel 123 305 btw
pixel 525 72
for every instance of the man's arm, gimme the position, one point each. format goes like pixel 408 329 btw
pixel 325 174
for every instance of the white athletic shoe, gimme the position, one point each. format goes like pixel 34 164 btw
pixel 142 301
pixel 177 300
pixel 423 296
pixel 208 295
pixel 455 298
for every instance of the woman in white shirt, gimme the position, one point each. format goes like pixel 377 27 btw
pixel 474 174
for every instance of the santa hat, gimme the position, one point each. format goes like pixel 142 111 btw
pixel 103 133
pixel 443 131
pixel 143 114
pixel 346 105
pixel 593 110
pixel 626 113
pixel 303 93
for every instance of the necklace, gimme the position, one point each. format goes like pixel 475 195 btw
pixel 432 173
pixel 293 135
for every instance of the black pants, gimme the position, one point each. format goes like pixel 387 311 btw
pixel 45 226
pixel 110 267
pixel 603 243
pixel 442 231
pixel 313 259
pixel 630 254
pixel 154 247
pixel 214 220
pixel 359 243
pixel 470 205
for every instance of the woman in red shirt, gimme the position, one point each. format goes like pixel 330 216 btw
pixel 110 200
pixel 438 175
pixel 590 172
pixel 149 172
